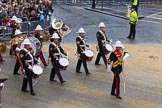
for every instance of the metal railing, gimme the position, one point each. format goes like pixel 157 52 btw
pixel 99 1
pixel 26 27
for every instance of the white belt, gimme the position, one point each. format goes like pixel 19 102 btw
pixel 82 45
pixel 56 54
pixel 29 60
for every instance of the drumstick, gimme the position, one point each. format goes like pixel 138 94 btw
pixel 110 41
pixel 123 77
pixel 35 82
pixel 124 87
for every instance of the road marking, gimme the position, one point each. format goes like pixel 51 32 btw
pixel 155 16
pixel 151 21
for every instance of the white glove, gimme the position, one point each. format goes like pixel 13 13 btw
pixel 108 68
pixel 30 67
pixel 110 41
pixel 39 62
pixel 103 41
pixel 41 36
pixel 125 56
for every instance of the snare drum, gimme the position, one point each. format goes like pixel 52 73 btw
pixel 88 55
pixel 108 48
pixel 64 63
pixel 37 71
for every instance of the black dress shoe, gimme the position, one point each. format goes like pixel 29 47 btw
pixel 24 90
pixel 53 80
pixel 45 65
pixel 78 72
pixel 2 61
pixel 118 97
pixel 113 94
pixel 17 74
pixel 63 82
pixel 87 73
pixel 129 37
pixel 32 93
pixel 98 64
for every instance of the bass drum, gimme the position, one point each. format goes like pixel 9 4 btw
pixel 35 44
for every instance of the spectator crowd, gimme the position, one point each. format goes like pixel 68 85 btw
pixel 26 10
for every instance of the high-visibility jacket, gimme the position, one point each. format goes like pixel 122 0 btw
pixel 135 3
pixel 133 19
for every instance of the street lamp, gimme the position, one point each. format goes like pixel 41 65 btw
pixel 94 4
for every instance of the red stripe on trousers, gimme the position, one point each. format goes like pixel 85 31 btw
pixel 117 92
pixel 42 58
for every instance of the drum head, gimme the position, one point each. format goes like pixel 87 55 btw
pixel 109 47
pixel 89 53
pixel 64 62
pixel 36 45
pixel 38 70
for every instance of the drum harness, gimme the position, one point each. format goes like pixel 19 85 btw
pixel 119 60
pixel 59 52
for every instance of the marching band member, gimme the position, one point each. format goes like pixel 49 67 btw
pixel 39 29
pixel 55 28
pixel 102 39
pixel 13 24
pixel 81 44
pixel 18 62
pixel 16 40
pixel 116 59
pixel 55 51
pixel 27 59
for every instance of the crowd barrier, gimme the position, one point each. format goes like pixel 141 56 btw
pixel 99 1
pixel 26 27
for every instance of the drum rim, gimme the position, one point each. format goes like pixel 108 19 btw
pixel 89 52
pixel 109 47
pixel 67 63
pixel 39 71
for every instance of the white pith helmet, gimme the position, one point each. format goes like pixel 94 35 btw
pixel 101 24
pixel 119 44
pixel 55 36
pixel 26 42
pixel 17 32
pixel 38 27
pixel 81 30
pixel 14 18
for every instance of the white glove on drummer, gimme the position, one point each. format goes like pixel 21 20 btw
pixel 125 56
pixel 39 62
pixel 30 67
pixel 108 68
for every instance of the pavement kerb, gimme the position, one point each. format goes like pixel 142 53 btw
pixel 107 13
